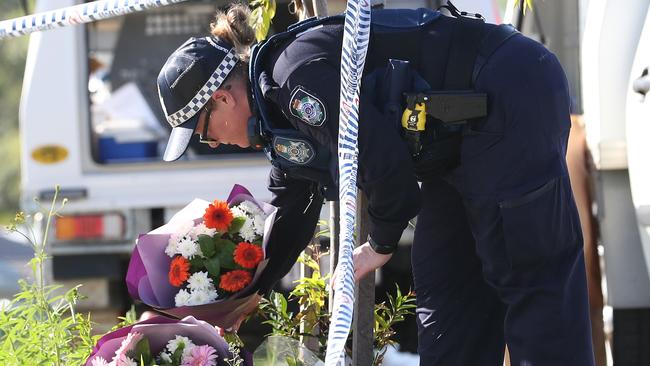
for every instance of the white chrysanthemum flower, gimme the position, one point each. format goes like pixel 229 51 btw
pixel 172 246
pixel 212 294
pixel 182 298
pixel 253 227
pixel 199 297
pixel 250 208
pixel 173 344
pixel 258 223
pixel 247 231
pixel 238 212
pixel 187 248
pixel 183 231
pixel 200 281
pixel 201 229
pixel 205 296
pixel 166 357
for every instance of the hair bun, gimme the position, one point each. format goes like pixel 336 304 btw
pixel 233 26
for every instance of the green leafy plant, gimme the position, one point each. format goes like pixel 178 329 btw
pixel 323 229
pixel 526 4
pixel 235 358
pixel 313 318
pixel 129 318
pixel 386 316
pixel 261 16
pixel 40 326
pixel 311 293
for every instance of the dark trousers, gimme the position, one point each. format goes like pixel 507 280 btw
pixel 497 256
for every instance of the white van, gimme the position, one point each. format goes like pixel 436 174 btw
pixel 91 122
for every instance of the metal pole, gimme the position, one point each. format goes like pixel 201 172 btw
pixel 305 271
pixel 364 301
pixel 364 318
pixel 335 211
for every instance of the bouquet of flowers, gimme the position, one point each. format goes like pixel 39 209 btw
pixel 165 342
pixel 203 259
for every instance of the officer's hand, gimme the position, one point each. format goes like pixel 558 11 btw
pixel 365 260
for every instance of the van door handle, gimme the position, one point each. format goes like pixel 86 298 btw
pixel 642 84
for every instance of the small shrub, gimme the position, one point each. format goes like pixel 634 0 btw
pixel 39 327
pixel 311 293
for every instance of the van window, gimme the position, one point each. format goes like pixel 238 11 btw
pixel 125 55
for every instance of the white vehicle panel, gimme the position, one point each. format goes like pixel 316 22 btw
pixel 51 104
pixel 638 138
pixel 54 112
pixel 606 55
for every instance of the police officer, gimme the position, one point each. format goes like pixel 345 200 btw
pixel 497 256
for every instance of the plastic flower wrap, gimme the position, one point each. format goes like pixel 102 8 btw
pixel 162 341
pixel 204 258
pixel 284 351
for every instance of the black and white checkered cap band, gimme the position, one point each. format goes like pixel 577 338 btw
pixel 203 95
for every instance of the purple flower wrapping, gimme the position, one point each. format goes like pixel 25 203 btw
pixel 147 275
pixel 159 330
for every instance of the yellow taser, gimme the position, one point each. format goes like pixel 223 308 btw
pixel 415 119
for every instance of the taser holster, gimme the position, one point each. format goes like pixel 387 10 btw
pixel 429 121
pixel 448 108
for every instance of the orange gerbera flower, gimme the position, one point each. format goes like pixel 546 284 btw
pixel 179 271
pixel 236 280
pixel 218 216
pixel 248 255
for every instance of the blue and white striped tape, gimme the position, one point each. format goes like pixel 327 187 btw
pixel 78 14
pixel 353 56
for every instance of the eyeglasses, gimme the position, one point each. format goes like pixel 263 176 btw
pixel 203 137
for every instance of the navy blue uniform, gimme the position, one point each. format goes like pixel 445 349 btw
pixel 497 256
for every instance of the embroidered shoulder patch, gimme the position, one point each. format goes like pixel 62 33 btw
pixel 307 107
pixel 294 150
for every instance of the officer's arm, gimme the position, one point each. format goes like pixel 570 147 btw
pixel 299 205
pixel 385 167
pixel 387 176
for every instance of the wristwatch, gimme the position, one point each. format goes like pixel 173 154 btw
pixel 380 248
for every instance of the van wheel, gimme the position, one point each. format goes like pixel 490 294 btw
pixel 631 337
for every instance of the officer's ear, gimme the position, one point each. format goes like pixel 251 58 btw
pixel 224 96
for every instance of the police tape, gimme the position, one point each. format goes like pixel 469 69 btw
pixel 353 56
pixel 77 14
